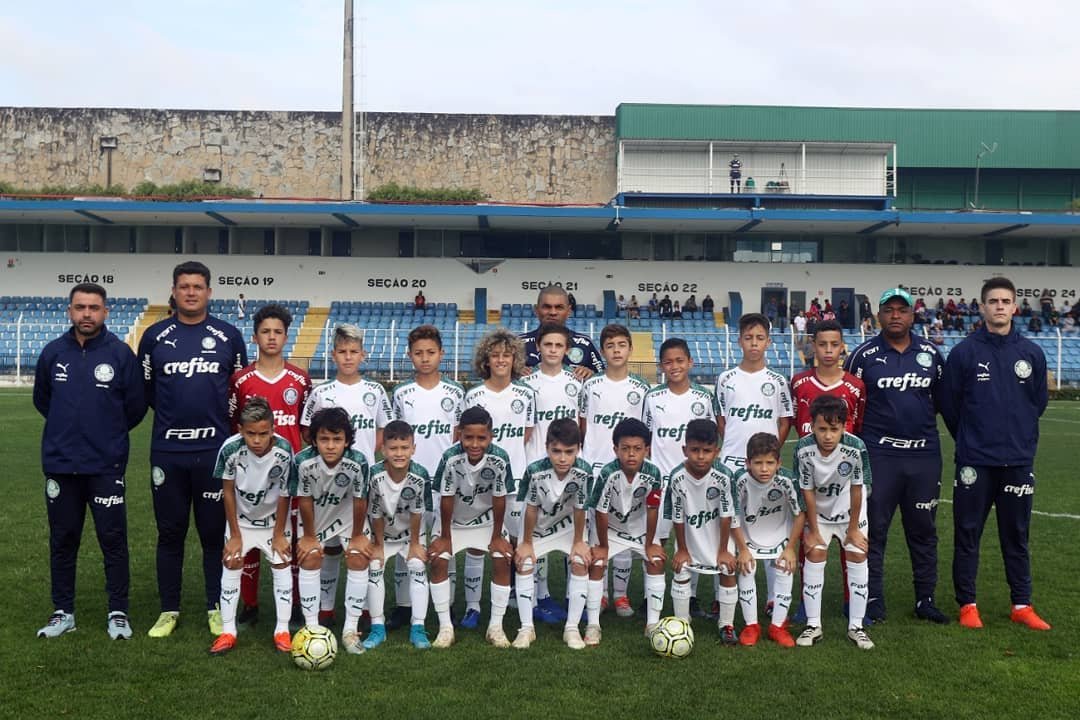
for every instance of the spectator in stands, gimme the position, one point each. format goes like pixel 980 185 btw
pixel 828 309
pixel 735 174
pixel 771 310
pixel 676 311
pixel 241 307
pixel 573 302
pixel 920 305
pixel 940 307
pixel 800 327
pixel 665 307
pixel 865 311
pixel 937 335
pixel 958 323
pixel 654 304
pixel 1068 324
pixel 707 305
pixel 814 309
pixel 843 315
pixel 962 308
pixel 950 309
pixel 691 304
pixel 620 304
pixel 976 326
pixel 1035 324
pixel 782 314
pixel 635 309
pixel 867 326
pixel 1046 303
pixel 973 308
pixel 1025 309
pixel 419 302
pixel 553 306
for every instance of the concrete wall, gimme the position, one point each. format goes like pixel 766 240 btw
pixel 322 280
pixel 511 158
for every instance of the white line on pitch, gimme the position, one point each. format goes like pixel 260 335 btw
pixel 1038 512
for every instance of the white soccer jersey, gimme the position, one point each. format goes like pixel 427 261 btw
pixel 331 489
pixel 623 500
pixel 511 410
pixel 556 396
pixel 259 481
pixel 555 499
pixel 472 486
pixel 366 403
pixel 396 502
pixel 433 415
pixel 666 415
pixel 766 511
pixel 700 504
pixel 604 402
pixel 750 403
pixel 831 476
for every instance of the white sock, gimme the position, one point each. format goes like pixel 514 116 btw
pixel 813 584
pixel 680 594
pixel 782 586
pixel 541 579
pixel 728 597
pixel 748 597
pixel 592 601
pixel 418 590
pixel 230 596
pixel 654 595
pixel 328 579
pixel 525 588
pixel 402 591
pixel 356 590
pixel 376 594
pixel 309 595
pixel 620 571
pixel 282 597
pixel 474 575
pixel 500 598
pixel 579 597
pixel 440 598
pixel 770 581
pixel 858 574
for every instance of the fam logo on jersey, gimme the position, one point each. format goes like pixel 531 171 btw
pixel 408 494
pixel 517 406
pixel 633 397
pixel 447 404
pixel 571 488
pixel 487 474
pixel 774 494
pixel 571 389
pixel 845 468
pixel 925 359
pixel 640 492
pixel 1022 368
pixel 290 396
pixel 157 475
pixel 341 480
pixel 208 344
pixel 369 399
pixel 768 389
pixel 104 373
pixel 276 472
pixel 52 489
pixel 575 355
pixel 712 493
pixel 698 408
pixel 968 475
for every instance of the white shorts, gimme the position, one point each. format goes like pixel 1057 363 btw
pixel 702 569
pixel 618 543
pixel 260 539
pixel 471 538
pixel 839 531
pixel 514 512
pixel 562 541
pixel 395 548
pixel 760 552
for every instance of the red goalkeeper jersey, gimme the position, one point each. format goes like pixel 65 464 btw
pixel 286 394
pixel 806 387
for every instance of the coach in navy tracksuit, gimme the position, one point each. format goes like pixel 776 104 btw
pixel 89 389
pixel 902 373
pixel 187 360
pixel 553 306
pixel 995 393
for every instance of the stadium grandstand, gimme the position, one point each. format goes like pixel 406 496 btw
pixel 758 207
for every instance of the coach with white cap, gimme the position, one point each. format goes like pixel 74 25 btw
pixel 902 373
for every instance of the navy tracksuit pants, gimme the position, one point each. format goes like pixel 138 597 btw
pixel 1011 490
pixel 914 485
pixel 182 483
pixel 66 498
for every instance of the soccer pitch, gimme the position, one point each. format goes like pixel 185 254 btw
pixel 918 670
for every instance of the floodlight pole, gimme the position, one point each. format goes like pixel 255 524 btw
pixel 347 140
pixel 986 150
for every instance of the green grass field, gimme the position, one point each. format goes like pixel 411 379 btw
pixel 916 671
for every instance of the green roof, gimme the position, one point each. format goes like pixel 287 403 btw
pixel 1037 139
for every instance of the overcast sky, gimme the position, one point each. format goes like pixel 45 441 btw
pixel 553 57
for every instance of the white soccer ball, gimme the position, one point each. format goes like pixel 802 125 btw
pixel 673 637
pixel 314 647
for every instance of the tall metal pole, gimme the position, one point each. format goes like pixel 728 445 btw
pixel 347 118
